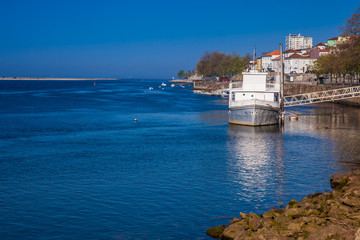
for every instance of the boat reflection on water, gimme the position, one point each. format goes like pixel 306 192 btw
pixel 338 123
pixel 256 163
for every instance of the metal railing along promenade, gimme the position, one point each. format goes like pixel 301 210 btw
pixel 323 96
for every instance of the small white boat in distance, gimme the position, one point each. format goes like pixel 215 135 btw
pixel 151 88
pixel 163 84
pixel 172 85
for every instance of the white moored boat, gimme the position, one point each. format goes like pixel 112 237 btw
pixel 254 102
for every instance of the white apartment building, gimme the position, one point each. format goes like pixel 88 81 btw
pixel 295 63
pixel 297 42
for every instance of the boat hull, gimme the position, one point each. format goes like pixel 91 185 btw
pixel 254 115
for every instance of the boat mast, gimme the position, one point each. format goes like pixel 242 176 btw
pixel 254 57
pixel 282 84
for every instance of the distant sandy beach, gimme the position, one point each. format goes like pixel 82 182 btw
pixel 57 79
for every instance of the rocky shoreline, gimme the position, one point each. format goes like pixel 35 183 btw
pixel 325 216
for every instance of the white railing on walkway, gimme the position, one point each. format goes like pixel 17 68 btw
pixel 323 96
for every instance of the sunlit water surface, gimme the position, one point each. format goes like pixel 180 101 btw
pixel 75 165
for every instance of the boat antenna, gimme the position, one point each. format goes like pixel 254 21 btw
pixel 282 84
pixel 254 57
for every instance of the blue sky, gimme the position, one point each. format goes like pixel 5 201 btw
pixel 150 39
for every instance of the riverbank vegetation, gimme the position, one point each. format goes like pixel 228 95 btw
pixel 344 60
pixel 217 64
pixel 184 75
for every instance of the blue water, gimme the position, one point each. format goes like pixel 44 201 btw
pixel 75 165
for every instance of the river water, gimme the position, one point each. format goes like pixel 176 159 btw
pixel 75 165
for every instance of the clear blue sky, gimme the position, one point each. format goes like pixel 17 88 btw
pixel 150 39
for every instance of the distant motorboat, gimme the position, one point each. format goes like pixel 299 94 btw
pixel 163 84
pixel 172 85
pixel 151 88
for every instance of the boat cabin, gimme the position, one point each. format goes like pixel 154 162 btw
pixel 254 87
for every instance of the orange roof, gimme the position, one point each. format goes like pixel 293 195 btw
pixel 277 58
pixel 276 52
pixel 324 50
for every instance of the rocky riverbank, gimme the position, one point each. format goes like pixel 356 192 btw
pixel 324 216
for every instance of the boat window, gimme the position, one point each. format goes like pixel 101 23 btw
pixel 252 95
pixel 243 94
pixel 233 96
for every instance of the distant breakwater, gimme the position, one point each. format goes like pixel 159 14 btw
pixel 331 215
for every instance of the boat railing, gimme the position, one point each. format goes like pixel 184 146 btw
pixel 233 103
pixel 273 87
pixel 235 85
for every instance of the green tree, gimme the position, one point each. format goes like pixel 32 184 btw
pixel 216 64
pixel 180 73
pixel 345 59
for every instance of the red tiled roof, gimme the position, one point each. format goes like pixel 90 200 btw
pixel 334 38
pixel 291 51
pixel 276 52
pixel 319 44
pixel 324 50
pixel 295 55
pixel 277 58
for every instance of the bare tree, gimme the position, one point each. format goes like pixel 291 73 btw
pixel 352 27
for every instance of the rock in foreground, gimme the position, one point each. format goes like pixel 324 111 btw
pixel 334 215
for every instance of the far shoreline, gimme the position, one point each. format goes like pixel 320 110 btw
pixel 55 79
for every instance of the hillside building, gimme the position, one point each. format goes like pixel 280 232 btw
pixel 266 62
pixel 297 42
